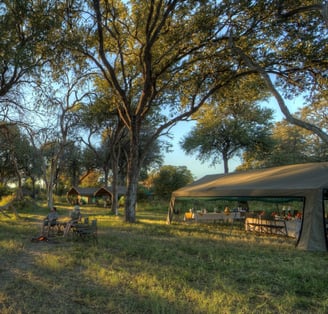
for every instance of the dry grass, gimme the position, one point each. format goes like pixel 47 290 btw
pixel 151 267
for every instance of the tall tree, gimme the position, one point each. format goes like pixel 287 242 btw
pixel 105 137
pixel 29 32
pixel 61 101
pixel 154 58
pixel 167 58
pixel 232 123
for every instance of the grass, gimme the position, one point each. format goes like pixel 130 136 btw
pixel 152 267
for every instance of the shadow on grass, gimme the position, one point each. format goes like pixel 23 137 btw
pixel 151 267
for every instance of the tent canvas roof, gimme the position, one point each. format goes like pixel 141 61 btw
pixel 95 191
pixel 292 180
pixel 109 191
pixel 82 191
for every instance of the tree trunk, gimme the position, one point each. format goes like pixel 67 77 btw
pixel 106 175
pixel 19 193
pixel 131 195
pixel 226 166
pixel 50 197
pixel 33 187
pixel 133 175
pixel 114 185
pixel 51 183
pixel 225 163
pixel 115 151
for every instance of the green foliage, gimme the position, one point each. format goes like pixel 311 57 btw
pixel 291 144
pixel 144 193
pixel 121 201
pixel 230 125
pixel 26 205
pixel 25 30
pixel 169 179
pixel 17 155
pixel 5 191
pixel 71 166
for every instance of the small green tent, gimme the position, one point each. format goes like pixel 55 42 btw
pixel 308 182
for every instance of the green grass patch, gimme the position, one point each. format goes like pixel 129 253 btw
pixel 152 267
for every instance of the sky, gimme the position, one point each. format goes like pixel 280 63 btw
pixel 198 169
pixel 178 158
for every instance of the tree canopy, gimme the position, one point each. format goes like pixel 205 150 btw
pixel 159 62
pixel 291 144
pixel 170 178
pixel 230 124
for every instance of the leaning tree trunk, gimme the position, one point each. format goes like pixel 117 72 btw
pixel 276 94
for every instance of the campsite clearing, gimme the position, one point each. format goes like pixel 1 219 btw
pixel 152 267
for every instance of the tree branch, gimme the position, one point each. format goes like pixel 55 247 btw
pixel 284 109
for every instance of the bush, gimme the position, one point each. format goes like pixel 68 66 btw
pixel 5 191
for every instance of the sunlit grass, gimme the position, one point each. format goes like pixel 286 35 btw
pixel 152 267
pixel 6 199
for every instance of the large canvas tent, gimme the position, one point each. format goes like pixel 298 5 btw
pixel 308 182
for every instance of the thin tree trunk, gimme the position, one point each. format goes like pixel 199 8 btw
pixel 51 182
pixel 19 193
pixel 106 175
pixel 114 185
pixel 33 187
pixel 115 150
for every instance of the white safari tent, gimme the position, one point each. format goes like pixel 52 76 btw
pixel 306 182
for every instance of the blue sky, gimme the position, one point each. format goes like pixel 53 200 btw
pixel 178 158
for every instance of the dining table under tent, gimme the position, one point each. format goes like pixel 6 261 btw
pixel 304 182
